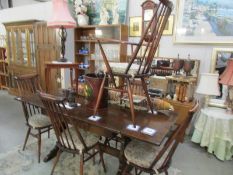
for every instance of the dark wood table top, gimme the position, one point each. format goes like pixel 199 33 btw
pixel 116 118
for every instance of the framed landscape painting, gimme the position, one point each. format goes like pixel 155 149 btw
pixel 204 21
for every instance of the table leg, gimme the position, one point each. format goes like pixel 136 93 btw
pixel 47 77
pixel 76 78
pixel 122 161
pixel 71 78
pixel 52 154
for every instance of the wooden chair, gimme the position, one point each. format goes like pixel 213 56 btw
pixel 28 84
pixel 35 119
pixel 127 71
pixel 145 157
pixel 70 139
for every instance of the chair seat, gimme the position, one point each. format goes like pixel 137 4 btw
pixel 39 121
pixel 121 68
pixel 143 154
pixel 90 139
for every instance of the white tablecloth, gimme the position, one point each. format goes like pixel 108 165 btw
pixel 214 130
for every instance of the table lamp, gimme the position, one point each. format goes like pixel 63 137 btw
pixel 61 19
pixel 208 85
pixel 226 78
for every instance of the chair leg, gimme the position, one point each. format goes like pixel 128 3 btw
pixel 93 152
pixel 166 172
pixel 49 132
pixel 100 95
pixel 101 158
pixel 124 172
pixel 56 160
pixel 81 164
pixel 136 172
pixel 131 101
pixel 39 145
pixel 26 138
pixel 147 94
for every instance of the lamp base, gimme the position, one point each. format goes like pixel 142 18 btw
pixel 62 60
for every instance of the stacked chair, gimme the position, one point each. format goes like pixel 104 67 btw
pixel 36 121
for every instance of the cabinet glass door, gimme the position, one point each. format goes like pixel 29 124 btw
pixel 10 46
pixel 32 48
pixel 24 47
pixel 16 36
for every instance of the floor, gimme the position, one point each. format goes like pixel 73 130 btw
pixel 190 158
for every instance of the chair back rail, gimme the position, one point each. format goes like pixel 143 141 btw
pixel 28 84
pixel 30 110
pixel 154 30
pixel 173 140
pixel 60 121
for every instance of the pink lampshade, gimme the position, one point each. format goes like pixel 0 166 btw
pixel 61 15
pixel 227 76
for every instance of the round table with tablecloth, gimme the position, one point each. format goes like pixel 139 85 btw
pixel 214 130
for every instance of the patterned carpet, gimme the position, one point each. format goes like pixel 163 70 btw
pixel 18 162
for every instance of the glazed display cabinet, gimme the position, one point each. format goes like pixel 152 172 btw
pixel 23 49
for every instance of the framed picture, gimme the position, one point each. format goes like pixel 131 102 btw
pixel 135 26
pixel 168 30
pixel 219 60
pixel 220 57
pixel 204 21
pixel 143 49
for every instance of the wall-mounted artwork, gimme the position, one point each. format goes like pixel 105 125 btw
pixel 168 30
pixel 135 26
pixel 107 11
pixel 204 21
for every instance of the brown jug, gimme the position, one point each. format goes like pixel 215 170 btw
pixel 188 66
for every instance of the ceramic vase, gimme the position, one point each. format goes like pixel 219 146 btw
pixel 82 20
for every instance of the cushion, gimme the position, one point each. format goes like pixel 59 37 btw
pixel 39 120
pixel 143 154
pixel 89 138
pixel 160 104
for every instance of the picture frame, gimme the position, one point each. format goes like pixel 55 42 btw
pixel 168 30
pixel 219 60
pixel 137 21
pixel 204 22
pixel 135 26
pixel 143 48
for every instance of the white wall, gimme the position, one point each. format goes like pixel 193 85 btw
pixel 168 48
pixel 39 11
pixel 42 11
pixel 17 3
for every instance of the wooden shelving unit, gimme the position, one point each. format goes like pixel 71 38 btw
pixel 84 37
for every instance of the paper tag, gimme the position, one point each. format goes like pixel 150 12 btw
pixel 18 98
pixel 94 118
pixel 154 112
pixel 70 107
pixel 149 131
pixel 132 127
